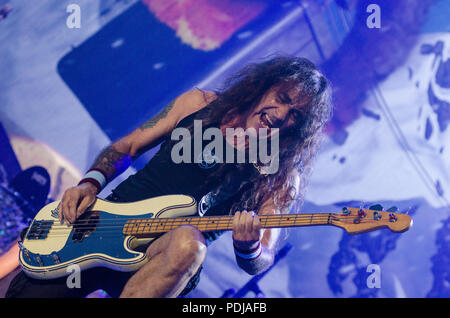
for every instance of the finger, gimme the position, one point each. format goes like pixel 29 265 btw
pixel 72 206
pixel 85 203
pixel 59 209
pixel 255 227
pixel 248 223
pixel 70 211
pixel 235 224
pixel 240 226
pixel 256 224
pixel 65 209
pixel 243 223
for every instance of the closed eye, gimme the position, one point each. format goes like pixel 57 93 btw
pixel 284 98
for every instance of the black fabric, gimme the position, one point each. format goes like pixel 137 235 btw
pixel 162 176
pixel 91 280
pixel 112 282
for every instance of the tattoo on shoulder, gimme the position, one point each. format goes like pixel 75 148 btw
pixel 154 120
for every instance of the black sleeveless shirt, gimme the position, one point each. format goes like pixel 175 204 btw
pixel 162 176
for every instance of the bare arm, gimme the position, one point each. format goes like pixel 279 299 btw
pixel 9 261
pixel 118 156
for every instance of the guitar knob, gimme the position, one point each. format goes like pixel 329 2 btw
pixel 55 257
pixel 39 260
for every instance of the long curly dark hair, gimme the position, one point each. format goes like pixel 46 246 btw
pixel 297 145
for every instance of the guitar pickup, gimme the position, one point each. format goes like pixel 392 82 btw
pixel 39 229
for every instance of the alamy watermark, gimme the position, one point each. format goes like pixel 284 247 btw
pixel 257 146
pixel 374 279
pixel 74 278
pixel 374 19
pixel 73 21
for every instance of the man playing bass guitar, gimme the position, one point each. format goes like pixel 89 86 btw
pixel 286 95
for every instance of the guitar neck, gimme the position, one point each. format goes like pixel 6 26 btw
pixel 152 226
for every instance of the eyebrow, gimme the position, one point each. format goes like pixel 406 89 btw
pixel 284 98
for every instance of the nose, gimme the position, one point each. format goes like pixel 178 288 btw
pixel 282 112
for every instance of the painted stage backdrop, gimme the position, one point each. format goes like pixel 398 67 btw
pixel 77 89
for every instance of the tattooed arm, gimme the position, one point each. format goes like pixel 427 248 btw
pixel 117 157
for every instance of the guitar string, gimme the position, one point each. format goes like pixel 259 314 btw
pixel 166 221
pixel 162 229
pixel 155 231
pixel 158 223
pixel 208 219
pixel 82 221
pixel 118 218
pixel 146 234
pixel 106 231
pixel 202 226
pixel 176 221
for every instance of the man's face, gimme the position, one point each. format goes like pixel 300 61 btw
pixel 275 110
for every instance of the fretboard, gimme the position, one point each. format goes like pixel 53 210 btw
pixel 151 226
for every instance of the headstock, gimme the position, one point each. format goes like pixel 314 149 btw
pixel 355 220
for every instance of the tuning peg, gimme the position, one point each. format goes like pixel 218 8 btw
pixel 392 217
pixel 346 211
pixel 361 213
pixel 376 215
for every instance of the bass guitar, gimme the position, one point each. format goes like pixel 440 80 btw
pixel 110 234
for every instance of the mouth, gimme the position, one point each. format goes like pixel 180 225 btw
pixel 266 121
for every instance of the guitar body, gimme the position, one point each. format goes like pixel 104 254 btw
pixel 96 239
